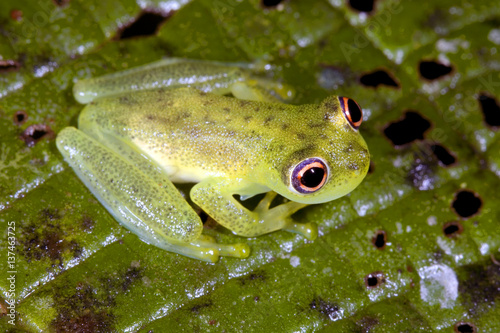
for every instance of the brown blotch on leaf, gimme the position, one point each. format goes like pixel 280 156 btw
pixel 422 173
pixel 20 117
pixel 196 308
pixel 45 239
pixel 326 308
pixel 374 280
pixel 34 133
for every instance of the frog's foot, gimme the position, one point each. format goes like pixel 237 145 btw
pixel 283 212
pixel 207 249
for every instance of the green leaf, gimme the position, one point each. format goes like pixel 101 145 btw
pixel 414 248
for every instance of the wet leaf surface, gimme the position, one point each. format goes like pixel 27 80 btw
pixel 414 248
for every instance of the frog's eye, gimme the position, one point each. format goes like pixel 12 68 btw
pixel 352 111
pixel 309 175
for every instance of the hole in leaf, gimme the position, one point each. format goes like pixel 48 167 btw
pixel 35 133
pixel 465 328
pixel 271 3
pixel 443 155
pixel 379 239
pixel 16 15
pixel 466 203
pixel 491 110
pixel 9 66
pixel 432 70
pixel 412 127
pixel 377 78
pixel 20 117
pixel 374 280
pixel 452 229
pixel 365 6
pixel 145 25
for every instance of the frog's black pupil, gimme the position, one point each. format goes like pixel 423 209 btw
pixel 313 177
pixel 354 111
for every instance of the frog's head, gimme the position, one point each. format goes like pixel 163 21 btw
pixel 333 161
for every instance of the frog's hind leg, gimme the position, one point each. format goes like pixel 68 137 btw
pixel 262 220
pixel 147 204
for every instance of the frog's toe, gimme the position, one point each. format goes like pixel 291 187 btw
pixel 307 230
pixel 238 250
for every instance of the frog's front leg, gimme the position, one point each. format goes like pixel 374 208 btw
pixel 215 196
pixel 148 204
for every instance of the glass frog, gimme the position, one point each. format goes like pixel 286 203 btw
pixel 170 122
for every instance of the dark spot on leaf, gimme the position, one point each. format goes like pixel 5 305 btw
pixel 463 327
pixel 432 70
pixel 20 117
pixel 479 287
pixel 258 275
pixel 82 311
pixel 452 229
pixel 16 15
pixel 374 280
pixel 379 240
pixel 466 203
pixel 367 323
pixel 412 127
pixel 146 24
pixel 196 309
pixel 212 322
pixel 44 238
pixel 377 78
pixel 34 133
pixel 9 66
pixel 61 3
pixel 422 171
pixel 365 6
pixel 491 110
pixel 271 3
pixel 443 155
pixel 326 308
pixel 87 223
pixel 133 274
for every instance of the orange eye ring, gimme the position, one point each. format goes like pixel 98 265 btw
pixel 352 111
pixel 309 175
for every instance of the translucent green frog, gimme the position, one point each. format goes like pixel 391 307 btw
pixel 167 122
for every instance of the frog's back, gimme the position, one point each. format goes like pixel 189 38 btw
pixel 205 134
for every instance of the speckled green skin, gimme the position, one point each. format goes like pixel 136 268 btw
pixel 130 147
